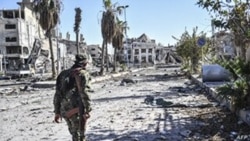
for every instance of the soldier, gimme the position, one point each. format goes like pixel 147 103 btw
pixel 71 99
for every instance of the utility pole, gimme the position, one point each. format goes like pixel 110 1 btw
pixel 125 18
pixel 4 59
pixel 126 35
pixel 214 39
pixel 58 51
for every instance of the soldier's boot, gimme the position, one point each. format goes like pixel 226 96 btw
pixel 75 137
pixel 83 137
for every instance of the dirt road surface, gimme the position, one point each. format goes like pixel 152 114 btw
pixel 155 105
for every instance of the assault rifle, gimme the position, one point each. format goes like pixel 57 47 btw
pixel 80 109
pixel 82 121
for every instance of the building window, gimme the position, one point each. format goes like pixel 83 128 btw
pixel 136 59
pixel 157 51
pixel 13 49
pixel 136 51
pixel 143 50
pixel 8 14
pixel 150 58
pixel 10 39
pixel 93 49
pixel 26 50
pixel 129 51
pixel 92 55
pixel 10 26
pixel 143 59
pixel 150 50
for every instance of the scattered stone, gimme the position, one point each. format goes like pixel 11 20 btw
pixel 139 118
pixel 3 109
pixel 127 80
pixel 35 80
pixel 12 91
pixel 35 109
pixel 126 138
pixel 149 100
pixel 162 102
pixel 5 77
pixel 160 138
pixel 96 73
pixel 122 84
pixel 204 105
pixel 24 88
pixel 185 133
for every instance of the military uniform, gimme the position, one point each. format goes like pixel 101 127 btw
pixel 67 97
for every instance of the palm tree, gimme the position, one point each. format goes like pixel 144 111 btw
pixel 107 29
pixel 47 12
pixel 117 41
pixel 190 52
pixel 233 17
pixel 78 19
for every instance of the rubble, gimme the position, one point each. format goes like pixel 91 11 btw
pixel 121 113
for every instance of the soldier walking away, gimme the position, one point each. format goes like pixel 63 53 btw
pixel 71 99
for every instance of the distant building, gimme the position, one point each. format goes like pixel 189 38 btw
pixel 71 46
pixel 167 55
pixel 71 50
pixel 95 52
pixel 22 40
pixel 139 51
pixel 224 45
pixel 18 31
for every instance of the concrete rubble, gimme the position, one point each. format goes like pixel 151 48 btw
pixel 184 111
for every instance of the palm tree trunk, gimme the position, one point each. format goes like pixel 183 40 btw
pixel 243 52
pixel 52 56
pixel 77 42
pixel 102 60
pixel 107 58
pixel 115 54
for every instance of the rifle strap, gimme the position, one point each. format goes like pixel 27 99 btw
pixel 78 80
pixel 82 122
pixel 79 84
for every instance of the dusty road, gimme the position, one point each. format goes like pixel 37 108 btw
pixel 123 112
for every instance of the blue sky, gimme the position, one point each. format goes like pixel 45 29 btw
pixel 159 19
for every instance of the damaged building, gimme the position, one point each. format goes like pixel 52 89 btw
pixel 24 48
pixel 167 55
pixel 138 51
pixel 20 39
pixel 143 51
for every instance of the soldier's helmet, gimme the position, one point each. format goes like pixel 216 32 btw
pixel 81 58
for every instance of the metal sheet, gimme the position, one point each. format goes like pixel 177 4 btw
pixel 214 73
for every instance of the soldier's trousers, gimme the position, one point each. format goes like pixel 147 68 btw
pixel 73 126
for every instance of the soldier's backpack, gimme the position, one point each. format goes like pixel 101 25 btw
pixel 65 81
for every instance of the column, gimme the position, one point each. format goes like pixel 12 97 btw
pixel 1 62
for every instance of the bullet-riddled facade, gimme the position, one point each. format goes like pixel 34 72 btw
pixel 18 31
pixel 139 51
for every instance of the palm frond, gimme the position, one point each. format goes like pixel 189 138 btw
pixel 78 19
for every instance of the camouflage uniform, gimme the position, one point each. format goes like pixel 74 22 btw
pixel 66 94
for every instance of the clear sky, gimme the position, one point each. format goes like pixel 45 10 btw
pixel 159 19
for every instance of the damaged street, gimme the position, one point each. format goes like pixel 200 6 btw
pixel 149 105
